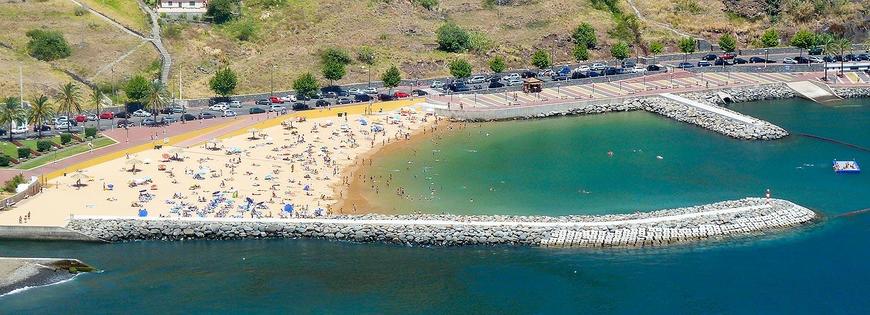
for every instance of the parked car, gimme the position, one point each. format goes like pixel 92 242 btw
pixel 611 71
pixel 559 77
pixel 728 56
pixel 654 67
pixel 862 57
pixel 275 100
pixel 528 74
pixel 511 77
pixel 400 94
pixel 354 91
pixel 437 84
pixel 815 59
pixel 582 68
pixel 256 110
pixel 300 106
pixel 262 102
pixel 789 60
pixel 37 128
pixel 598 66
pixel 418 92
pixel 219 107
pixel 321 103
pixel 740 61
pixel 107 115
pixel 206 115
pixel 150 122
pixel 235 104
pixel 178 109
pixel 277 108
pixel 828 59
pixel 123 123
pixel 122 114
pixel 140 113
pixel 494 85
pixel 188 117
pixel 169 119
pixel 362 97
pixel 385 97
pixel 545 73
pixel 229 113
pixel 166 110
pixel 704 63
pixel 685 65
pixel 628 64
pixel 289 98
pixel 722 62
pixel 81 118
pixel 371 90
pixel 477 79
pixel 802 60
pixel 578 75
pixel 513 82
pixel 709 57
pixel 343 100
pixel 759 60
pixel 219 99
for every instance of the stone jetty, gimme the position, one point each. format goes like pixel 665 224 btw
pixel 663 227
pixel 21 273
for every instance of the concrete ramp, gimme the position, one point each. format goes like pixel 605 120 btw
pixel 813 91
pixel 711 108
pixel 42 233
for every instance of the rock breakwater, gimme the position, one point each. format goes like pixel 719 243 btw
pixel 728 218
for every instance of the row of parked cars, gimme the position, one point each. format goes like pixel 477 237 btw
pixel 341 96
pixel 728 59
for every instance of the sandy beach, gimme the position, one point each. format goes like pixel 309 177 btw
pixel 300 168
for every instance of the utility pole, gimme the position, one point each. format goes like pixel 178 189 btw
pixel 20 86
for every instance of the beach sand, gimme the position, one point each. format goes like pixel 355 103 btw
pixel 250 174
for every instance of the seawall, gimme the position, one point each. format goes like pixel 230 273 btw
pixel 42 233
pixel 21 273
pixel 718 220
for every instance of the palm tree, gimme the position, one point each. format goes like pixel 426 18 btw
pixel 839 46
pixel 40 111
pixel 97 100
pixel 154 100
pixel 70 99
pixel 825 43
pixel 12 113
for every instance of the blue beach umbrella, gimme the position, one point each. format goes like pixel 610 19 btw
pixel 288 208
pixel 306 188
pixel 143 213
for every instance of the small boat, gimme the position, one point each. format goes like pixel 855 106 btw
pixel 846 167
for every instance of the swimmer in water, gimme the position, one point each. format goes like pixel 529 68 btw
pixel 610 153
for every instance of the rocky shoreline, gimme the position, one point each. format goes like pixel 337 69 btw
pixel 663 227
pixel 22 273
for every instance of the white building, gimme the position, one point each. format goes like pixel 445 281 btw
pixel 176 7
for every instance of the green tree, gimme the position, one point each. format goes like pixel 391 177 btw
pixel 687 46
pixel 155 101
pixel 40 112
pixel 728 43
pixel 585 33
pixel 47 45
pixel 391 78
pixel 222 11
pixel 656 48
pixel 839 47
pixel 803 39
pixel 366 55
pixel 497 64
pixel 460 68
pixel 12 113
pixel 452 38
pixel 428 4
pixel 70 100
pixel 619 51
pixel 541 59
pixel 628 29
pixel 333 71
pixel 306 84
pixel 223 82
pixel 580 52
pixel 97 100
pixel 770 38
pixel 137 88
pixel 335 55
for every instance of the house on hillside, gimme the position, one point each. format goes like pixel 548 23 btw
pixel 181 8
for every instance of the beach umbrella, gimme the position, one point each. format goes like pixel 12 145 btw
pixel 79 177
pixel 288 207
pixel 215 142
pixel 176 151
pixel 132 162
pixel 253 132
pixel 306 188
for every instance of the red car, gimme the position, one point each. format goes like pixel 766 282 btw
pixel 400 94
pixel 275 100
pixel 107 115
pixel 727 56
pixel 81 118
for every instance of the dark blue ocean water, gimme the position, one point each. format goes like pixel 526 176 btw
pixel 819 269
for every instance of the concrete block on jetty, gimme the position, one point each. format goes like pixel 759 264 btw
pixel 640 229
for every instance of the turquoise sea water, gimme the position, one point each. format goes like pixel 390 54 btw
pixel 820 269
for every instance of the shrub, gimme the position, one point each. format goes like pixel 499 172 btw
pixel 428 4
pixel 79 11
pixel 541 59
pixel 246 30
pixel 91 132
pixel 585 33
pixel 452 38
pixel 460 68
pixel 12 183
pixel 222 11
pixel 23 153
pixel 43 145
pixel 47 45
pixel 172 31
pixel 4 161
pixel 478 42
pixel 65 138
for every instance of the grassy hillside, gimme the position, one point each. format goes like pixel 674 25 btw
pixel 94 43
